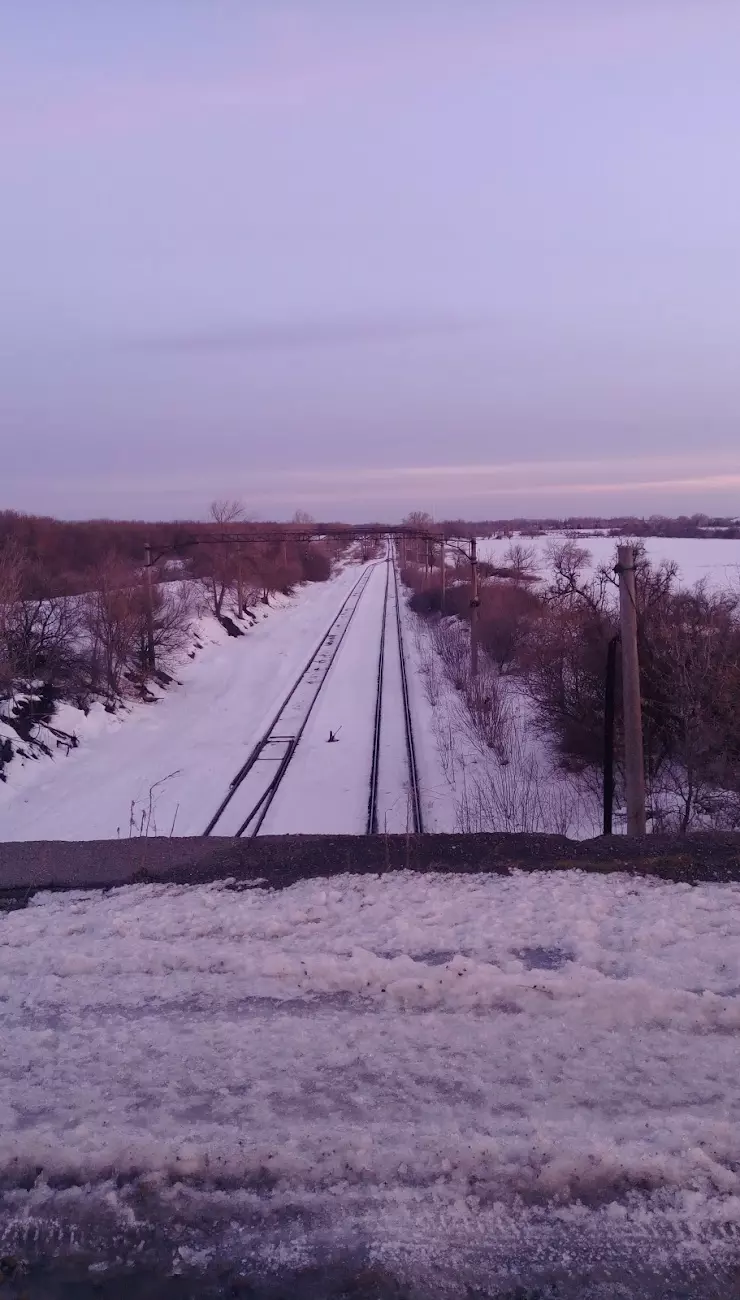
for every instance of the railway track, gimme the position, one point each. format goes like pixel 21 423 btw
pixel 394 792
pixel 385 705
pixel 252 790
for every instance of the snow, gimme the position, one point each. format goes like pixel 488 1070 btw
pixel 714 559
pixel 453 1069
pixel 431 701
pixel 481 777
pixel 395 800
pixel 192 740
pixel 171 763
pixel 326 787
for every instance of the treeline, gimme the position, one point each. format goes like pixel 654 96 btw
pixel 681 526
pixel 697 525
pixel 62 556
pixel 550 640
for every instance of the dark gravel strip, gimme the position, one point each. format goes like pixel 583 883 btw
pixel 279 861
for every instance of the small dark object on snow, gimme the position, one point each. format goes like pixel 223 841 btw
pixel 230 626
pixel 333 736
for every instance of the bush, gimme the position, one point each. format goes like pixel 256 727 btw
pixel 507 612
pixel 426 602
pixel 316 565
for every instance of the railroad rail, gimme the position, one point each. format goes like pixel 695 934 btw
pixel 372 804
pixel 279 742
pixel 414 789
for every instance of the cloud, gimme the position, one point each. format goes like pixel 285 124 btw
pixel 291 336
pixel 670 484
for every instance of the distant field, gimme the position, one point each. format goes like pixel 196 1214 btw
pixel 715 559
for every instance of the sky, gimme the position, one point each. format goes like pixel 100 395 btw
pixel 478 257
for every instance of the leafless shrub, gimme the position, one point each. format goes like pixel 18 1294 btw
pixel 452 643
pixel 142 821
pixel 507 612
pixel 315 563
pixel 39 639
pixel 429 667
pixel 174 607
pixel 521 796
pixel 487 716
pixel 444 735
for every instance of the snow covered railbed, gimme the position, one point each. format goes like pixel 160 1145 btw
pixel 457 1080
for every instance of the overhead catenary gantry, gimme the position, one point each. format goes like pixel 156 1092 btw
pixel 305 533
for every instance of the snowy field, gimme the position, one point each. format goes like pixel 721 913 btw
pixel 190 743
pixel 713 559
pixel 466 1081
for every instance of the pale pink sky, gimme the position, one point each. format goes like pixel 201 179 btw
pixel 350 256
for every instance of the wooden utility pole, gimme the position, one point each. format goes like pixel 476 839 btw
pixel 474 605
pixel 442 561
pixel 149 602
pixel 633 757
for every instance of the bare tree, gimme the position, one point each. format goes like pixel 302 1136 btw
pixel 690 648
pixel 174 609
pixel 220 564
pixel 113 618
pixel 418 521
pixel 225 512
pixel 521 560
pixel 11 572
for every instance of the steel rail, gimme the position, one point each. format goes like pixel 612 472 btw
pixel 414 787
pixel 261 807
pixel 372 803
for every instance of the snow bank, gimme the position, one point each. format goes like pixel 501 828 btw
pixel 449 1068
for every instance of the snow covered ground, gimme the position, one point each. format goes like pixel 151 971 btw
pixel 187 746
pixel 192 740
pixel 715 559
pixel 464 1080
pixel 326 786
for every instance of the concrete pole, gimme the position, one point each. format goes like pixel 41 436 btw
pixel 239 584
pixel 149 602
pixel 609 694
pixel 474 605
pixel 443 563
pixel 633 757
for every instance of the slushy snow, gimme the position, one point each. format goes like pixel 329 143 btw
pixel 450 1068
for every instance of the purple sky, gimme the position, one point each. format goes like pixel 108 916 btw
pixel 474 256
